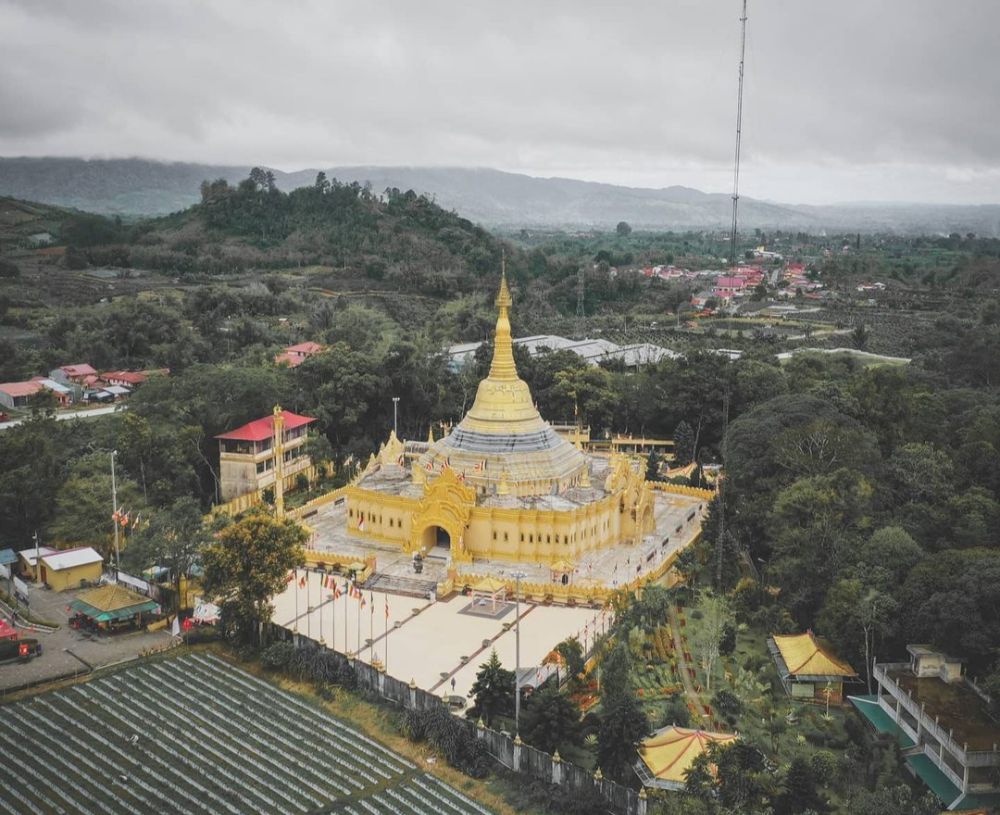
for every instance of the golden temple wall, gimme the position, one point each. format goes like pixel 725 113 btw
pixel 525 535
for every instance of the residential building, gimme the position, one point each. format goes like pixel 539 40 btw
pixel 18 394
pixel 71 568
pixel 79 374
pixel 64 394
pixel 808 669
pixel 127 379
pixel 295 355
pixel 247 455
pixel 942 722
pixel 29 558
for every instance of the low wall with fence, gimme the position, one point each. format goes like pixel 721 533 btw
pixel 682 489
pixel 508 750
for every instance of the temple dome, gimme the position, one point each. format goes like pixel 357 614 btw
pixel 503 437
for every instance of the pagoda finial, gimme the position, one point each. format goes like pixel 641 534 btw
pixel 502 366
pixel 504 300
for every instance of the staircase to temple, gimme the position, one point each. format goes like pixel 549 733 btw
pixel 396 584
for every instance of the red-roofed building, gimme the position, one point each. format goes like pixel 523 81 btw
pixel 127 379
pixel 247 455
pixel 18 394
pixel 295 355
pixel 77 373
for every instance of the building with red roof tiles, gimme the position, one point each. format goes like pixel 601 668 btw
pixel 247 455
pixel 18 394
pixel 295 355
pixel 76 373
pixel 128 379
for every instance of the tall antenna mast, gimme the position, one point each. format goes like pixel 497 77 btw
pixel 580 284
pixel 739 131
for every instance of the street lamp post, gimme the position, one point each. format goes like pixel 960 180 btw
pixel 517 650
pixel 395 405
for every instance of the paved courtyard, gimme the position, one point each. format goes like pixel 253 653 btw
pixel 429 642
pixel 66 650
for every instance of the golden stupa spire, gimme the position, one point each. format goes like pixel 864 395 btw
pixel 502 366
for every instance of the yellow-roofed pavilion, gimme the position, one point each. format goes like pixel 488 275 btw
pixel 667 755
pixel 502 485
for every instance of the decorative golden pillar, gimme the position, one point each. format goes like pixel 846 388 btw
pixel 278 445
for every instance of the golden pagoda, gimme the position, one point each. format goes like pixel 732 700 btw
pixel 502 484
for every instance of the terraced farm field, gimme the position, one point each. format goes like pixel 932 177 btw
pixel 197 735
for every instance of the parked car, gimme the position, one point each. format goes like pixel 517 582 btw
pixel 21 650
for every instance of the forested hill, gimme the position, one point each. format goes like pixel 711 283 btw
pixel 398 239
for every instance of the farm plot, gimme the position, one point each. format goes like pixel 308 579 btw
pixel 197 735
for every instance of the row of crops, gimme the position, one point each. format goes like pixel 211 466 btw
pixel 196 735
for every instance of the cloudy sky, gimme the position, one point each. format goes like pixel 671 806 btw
pixel 845 101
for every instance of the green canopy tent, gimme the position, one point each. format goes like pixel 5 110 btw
pixel 112 602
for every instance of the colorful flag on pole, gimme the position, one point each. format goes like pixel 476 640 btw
pixel 361 523
pixel 371 596
pixel 387 608
pixel 302 582
pixel 336 590
pixel 124 520
pixel 289 578
pixel 135 523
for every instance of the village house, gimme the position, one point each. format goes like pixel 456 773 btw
pixel 19 394
pixel 295 355
pixel 79 374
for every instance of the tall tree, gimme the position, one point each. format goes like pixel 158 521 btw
pixel 550 720
pixel 623 726
pixel 493 690
pixel 247 565
pixel 174 539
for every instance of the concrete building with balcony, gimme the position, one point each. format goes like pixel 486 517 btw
pixel 248 460
pixel 943 724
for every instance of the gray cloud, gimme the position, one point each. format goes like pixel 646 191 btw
pixel 863 99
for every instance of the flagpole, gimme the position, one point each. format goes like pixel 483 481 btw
pixel 296 579
pixel 347 647
pixel 386 634
pixel 309 616
pixel 371 627
pixel 333 616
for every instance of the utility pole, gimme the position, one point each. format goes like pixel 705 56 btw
pixel 395 412
pixel 38 559
pixel 114 517
pixel 517 650
pixel 739 136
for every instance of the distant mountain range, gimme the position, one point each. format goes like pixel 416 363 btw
pixel 132 187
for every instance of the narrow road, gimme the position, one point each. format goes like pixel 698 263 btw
pixel 74 414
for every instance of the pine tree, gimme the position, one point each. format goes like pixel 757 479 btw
pixel 493 690
pixel 683 444
pixel 623 726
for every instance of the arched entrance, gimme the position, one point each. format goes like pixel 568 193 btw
pixel 436 541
